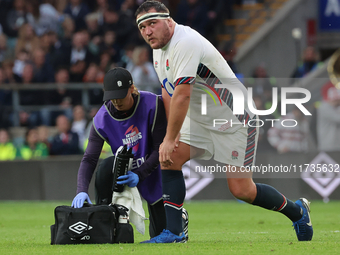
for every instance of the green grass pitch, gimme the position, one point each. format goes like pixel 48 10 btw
pixel 217 227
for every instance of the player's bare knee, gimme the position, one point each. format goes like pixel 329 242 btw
pixel 242 189
pixel 239 193
pixel 179 157
pixel 177 164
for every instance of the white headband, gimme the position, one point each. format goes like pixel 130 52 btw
pixel 152 15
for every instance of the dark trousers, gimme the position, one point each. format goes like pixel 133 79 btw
pixel 103 189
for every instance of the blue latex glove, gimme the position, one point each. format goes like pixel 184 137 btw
pixel 79 200
pixel 131 179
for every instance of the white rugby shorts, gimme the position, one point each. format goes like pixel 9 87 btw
pixel 236 149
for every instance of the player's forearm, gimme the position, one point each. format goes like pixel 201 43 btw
pixel 179 106
pixel 166 101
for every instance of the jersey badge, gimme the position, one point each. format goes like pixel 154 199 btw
pixel 167 65
pixel 234 155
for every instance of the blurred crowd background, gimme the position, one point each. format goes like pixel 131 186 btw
pixel 77 41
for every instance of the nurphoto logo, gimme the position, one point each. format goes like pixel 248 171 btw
pixel 239 98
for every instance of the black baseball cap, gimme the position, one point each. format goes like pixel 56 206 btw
pixel 117 82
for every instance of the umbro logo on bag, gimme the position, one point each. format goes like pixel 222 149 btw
pixel 79 227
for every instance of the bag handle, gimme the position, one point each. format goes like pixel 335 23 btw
pixel 83 233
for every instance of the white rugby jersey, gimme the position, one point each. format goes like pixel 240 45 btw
pixel 189 58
